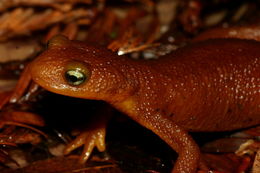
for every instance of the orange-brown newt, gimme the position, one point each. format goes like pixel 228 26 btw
pixel 213 85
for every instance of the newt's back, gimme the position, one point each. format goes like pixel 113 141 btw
pixel 212 86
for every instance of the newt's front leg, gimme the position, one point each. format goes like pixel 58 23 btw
pixel 92 136
pixel 177 138
pixel 23 89
pixel 24 84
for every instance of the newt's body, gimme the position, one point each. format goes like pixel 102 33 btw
pixel 208 86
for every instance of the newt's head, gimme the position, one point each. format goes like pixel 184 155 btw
pixel 77 69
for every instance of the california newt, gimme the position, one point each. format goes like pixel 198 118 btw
pixel 212 85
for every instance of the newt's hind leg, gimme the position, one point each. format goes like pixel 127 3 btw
pixel 177 138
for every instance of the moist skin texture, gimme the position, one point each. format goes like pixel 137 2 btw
pixel 212 85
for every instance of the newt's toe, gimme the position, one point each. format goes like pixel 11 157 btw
pixel 90 139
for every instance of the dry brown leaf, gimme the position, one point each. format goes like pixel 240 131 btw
pixel 256 165
pixel 63 5
pixel 22 21
pixel 17 50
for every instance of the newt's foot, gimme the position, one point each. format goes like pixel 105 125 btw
pixel 90 138
pixel 93 136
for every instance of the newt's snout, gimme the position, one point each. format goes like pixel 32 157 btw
pixel 47 72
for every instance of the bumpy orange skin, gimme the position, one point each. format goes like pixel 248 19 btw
pixel 209 86
pixel 212 85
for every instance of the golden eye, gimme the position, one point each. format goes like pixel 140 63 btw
pixel 76 73
pixel 75 77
